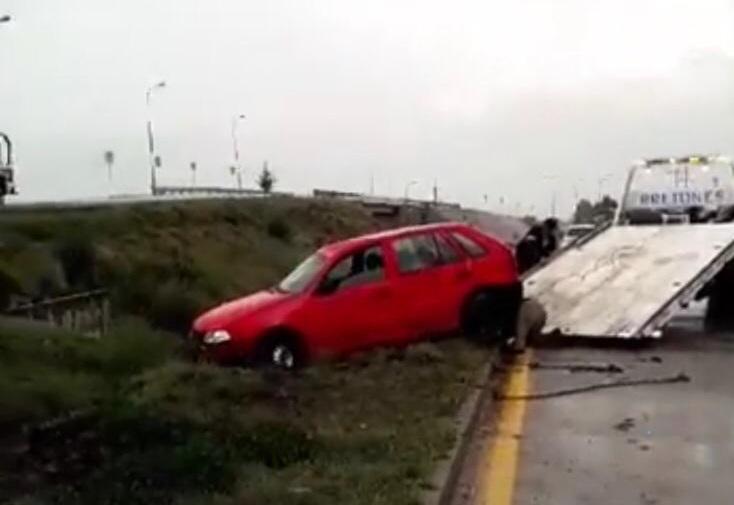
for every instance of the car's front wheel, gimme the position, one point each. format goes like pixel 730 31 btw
pixel 280 350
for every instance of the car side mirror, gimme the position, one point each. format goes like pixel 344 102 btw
pixel 327 286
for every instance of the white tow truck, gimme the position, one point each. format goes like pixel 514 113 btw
pixel 673 233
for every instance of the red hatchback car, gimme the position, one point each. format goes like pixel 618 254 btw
pixel 388 288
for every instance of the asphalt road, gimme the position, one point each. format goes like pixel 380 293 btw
pixel 667 444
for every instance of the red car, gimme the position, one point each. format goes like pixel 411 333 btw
pixel 388 288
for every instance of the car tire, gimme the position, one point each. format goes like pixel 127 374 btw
pixel 485 316
pixel 280 350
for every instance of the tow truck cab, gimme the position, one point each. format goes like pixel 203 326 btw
pixel 691 189
pixel 688 191
pixel 671 244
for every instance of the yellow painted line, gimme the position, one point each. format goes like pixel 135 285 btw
pixel 497 482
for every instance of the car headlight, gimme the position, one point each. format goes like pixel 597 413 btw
pixel 216 337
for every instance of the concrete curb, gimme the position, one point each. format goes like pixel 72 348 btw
pixel 446 475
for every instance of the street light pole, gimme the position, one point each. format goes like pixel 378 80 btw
pixel 151 142
pixel 407 187
pixel 554 195
pixel 600 183
pixel 236 148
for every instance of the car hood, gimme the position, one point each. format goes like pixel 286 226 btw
pixel 221 316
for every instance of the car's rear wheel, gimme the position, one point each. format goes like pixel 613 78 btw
pixel 487 316
pixel 280 350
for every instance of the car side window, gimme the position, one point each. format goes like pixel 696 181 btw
pixel 361 267
pixel 415 253
pixel 447 251
pixel 470 246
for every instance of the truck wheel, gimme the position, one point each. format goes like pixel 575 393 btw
pixel 280 350
pixel 719 317
pixel 484 316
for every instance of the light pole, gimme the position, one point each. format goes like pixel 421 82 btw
pixel 554 196
pixel 236 148
pixel 152 158
pixel 193 167
pixel 602 179
pixel 407 187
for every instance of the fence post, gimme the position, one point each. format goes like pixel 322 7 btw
pixel 105 326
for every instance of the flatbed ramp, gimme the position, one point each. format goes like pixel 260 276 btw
pixel 629 281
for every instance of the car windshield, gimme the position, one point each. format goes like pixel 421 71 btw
pixel 302 276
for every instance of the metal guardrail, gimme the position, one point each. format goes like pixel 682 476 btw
pixel 164 195
pixel 87 312
pixel 208 190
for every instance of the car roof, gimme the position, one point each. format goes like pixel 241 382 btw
pixel 338 248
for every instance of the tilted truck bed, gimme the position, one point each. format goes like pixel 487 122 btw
pixel 628 281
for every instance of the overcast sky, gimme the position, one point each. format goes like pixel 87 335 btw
pixel 512 99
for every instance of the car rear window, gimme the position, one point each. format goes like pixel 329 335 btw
pixel 470 246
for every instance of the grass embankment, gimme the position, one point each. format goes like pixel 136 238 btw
pixel 127 420
pixel 148 427
pixel 167 261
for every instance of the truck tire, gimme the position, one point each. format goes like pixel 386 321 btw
pixel 719 315
pixel 488 316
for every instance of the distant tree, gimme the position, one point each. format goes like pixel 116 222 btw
pixel 598 212
pixel 584 212
pixel 266 180
pixel 109 159
pixel 605 209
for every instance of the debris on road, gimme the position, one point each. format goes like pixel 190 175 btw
pixel 652 359
pixel 681 377
pixel 625 425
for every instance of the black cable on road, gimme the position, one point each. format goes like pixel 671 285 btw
pixel 681 377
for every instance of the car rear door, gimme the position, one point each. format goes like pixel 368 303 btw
pixel 426 283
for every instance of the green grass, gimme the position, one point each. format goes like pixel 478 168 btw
pixel 46 372
pixel 135 423
pixel 157 429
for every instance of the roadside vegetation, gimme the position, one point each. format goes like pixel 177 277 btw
pixel 127 419
pixel 166 262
